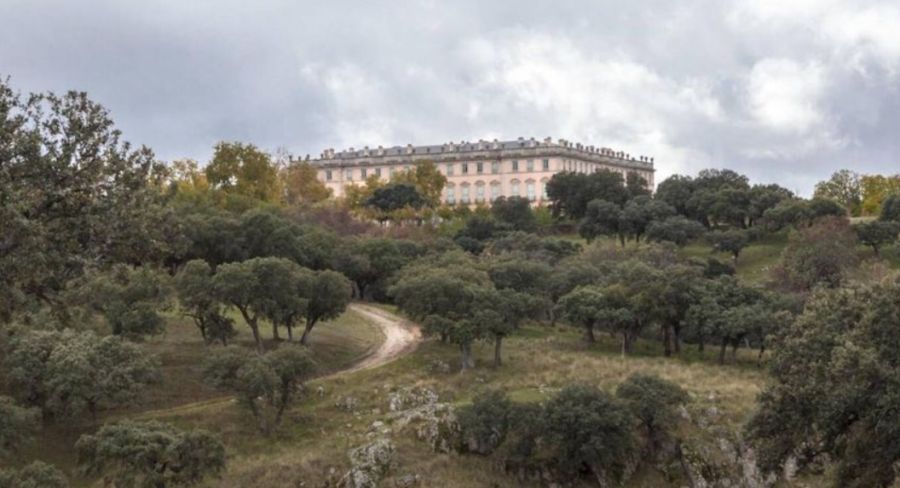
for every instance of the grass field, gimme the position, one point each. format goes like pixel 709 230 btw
pixel 334 346
pixel 540 360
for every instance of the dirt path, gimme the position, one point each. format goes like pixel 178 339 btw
pixel 400 337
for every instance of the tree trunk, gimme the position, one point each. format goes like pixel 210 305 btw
pixel 701 344
pixel 275 336
pixel 667 340
pixel 676 336
pixel 589 334
pixel 498 343
pixel 290 329
pixel 722 351
pixel 467 362
pixel 734 348
pixel 304 339
pixel 251 322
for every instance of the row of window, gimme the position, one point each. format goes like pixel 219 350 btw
pixel 514 191
pixel 465 168
pixel 363 173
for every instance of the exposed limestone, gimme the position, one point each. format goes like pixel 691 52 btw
pixel 369 464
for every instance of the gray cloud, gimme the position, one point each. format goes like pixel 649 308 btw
pixel 783 91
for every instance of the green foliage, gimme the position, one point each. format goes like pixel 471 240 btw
pixel 68 373
pixel 130 299
pixel 821 254
pixel 395 196
pixel 151 455
pixel 845 188
pixel 35 475
pixel 243 170
pixel 835 387
pixel 586 429
pixel 329 294
pixel 730 241
pixel 199 301
pixel 877 233
pixel 601 218
pixel 890 209
pixel 654 402
pixel 515 213
pixel 266 385
pixel 639 213
pixel 570 193
pixel 17 425
pixel 484 423
pixel 369 263
pixel 71 194
pixel 678 230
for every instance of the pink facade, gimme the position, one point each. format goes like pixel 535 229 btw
pixel 480 171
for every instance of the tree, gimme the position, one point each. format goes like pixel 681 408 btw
pixel 843 187
pixel 586 429
pixel 875 189
pixel 130 299
pixel 676 190
pixel 636 185
pixel 821 254
pixel 394 197
pixel 370 262
pixel 17 426
pixel 258 288
pixel 151 454
pixel 584 307
pixel 301 184
pixel 244 170
pixel 639 213
pixel 601 218
pixel 199 301
pixel 834 387
pixel 514 212
pixel 890 209
pixel 68 373
pixel 329 295
pixel 730 241
pixel 265 385
pixel 427 179
pixel 877 233
pixel 569 193
pixel 765 197
pixel 72 194
pixel 35 475
pixel 484 423
pixel 653 401
pixel 678 230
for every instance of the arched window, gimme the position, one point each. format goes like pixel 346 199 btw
pixel 544 182
pixel 464 197
pixel 530 190
pixel 514 188
pixel 495 190
pixel 479 191
pixel 450 194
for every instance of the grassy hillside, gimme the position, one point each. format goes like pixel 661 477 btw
pixel 334 345
pixel 539 361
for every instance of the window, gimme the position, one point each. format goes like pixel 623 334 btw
pixel 327 175
pixel 450 169
pixel 349 175
pixel 362 173
pixel 391 172
pixel 479 168
pixel 530 165
pixel 544 189
pixel 514 188
pixel 479 193
pixel 515 165
pixel 495 191
pixel 465 195
pixel 450 195
pixel 495 167
pixel 546 165
pixel 465 168
pixel 378 172
pixel 529 187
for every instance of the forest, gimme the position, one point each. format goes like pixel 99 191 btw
pixel 180 323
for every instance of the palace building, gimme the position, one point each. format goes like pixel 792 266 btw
pixel 482 171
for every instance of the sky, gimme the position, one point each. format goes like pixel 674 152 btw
pixel 785 91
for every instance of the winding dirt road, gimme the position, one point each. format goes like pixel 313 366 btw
pixel 400 337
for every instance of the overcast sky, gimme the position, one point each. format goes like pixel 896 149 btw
pixel 785 91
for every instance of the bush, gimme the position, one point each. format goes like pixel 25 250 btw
pixel 484 424
pixel 653 401
pixel 35 475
